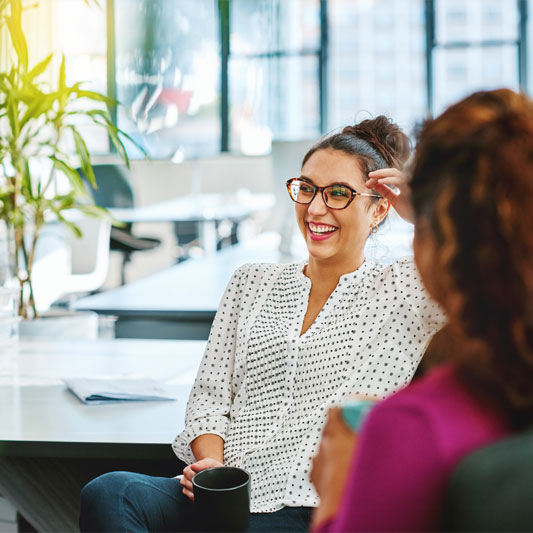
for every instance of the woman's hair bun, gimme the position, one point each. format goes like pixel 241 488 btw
pixel 384 136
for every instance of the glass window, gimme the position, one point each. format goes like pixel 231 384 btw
pixel 272 98
pixel 273 72
pixel 266 26
pixel 85 56
pixel 475 20
pixel 460 70
pixel 376 61
pixel 167 75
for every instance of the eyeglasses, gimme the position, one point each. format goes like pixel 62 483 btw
pixel 335 196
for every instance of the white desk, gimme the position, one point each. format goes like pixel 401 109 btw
pixel 181 301
pixel 40 417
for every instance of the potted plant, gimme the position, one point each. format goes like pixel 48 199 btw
pixel 36 120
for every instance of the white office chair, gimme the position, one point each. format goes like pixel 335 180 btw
pixel 90 257
pixel 66 265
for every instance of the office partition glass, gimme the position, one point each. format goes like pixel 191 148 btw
pixel 167 75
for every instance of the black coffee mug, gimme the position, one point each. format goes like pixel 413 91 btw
pixel 222 499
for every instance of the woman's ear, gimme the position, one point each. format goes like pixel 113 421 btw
pixel 380 210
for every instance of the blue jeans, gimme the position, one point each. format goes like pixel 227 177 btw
pixel 125 501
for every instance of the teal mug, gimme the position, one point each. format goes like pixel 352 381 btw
pixel 355 411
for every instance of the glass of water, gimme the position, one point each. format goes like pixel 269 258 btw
pixel 9 320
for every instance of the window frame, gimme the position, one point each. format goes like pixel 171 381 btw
pixel 224 15
pixel 432 45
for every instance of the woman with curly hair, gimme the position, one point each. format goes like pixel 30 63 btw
pixel 472 191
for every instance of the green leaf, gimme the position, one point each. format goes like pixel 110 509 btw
pixel 62 202
pixel 62 90
pixel 11 76
pixel 12 117
pixel 96 211
pixel 71 174
pixel 84 156
pixel 119 146
pixel 38 69
pixel 91 95
pixel 70 225
pixel 62 74
pixel 41 105
pixel 14 25
pixel 94 114
pixel 26 179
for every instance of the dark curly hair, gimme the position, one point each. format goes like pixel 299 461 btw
pixel 472 181
pixel 375 143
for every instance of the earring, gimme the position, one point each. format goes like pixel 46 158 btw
pixel 374 229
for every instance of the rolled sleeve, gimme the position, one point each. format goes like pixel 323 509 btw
pixel 211 397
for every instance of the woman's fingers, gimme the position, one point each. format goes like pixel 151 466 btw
pixel 391 181
pixel 188 473
pixel 191 470
pixel 204 464
pixel 386 192
pixel 386 172
pixel 186 484
pixel 383 181
pixel 387 176
pixel 189 494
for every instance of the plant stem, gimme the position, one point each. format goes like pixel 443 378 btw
pixel 28 277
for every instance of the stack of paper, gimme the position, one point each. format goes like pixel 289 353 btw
pixel 105 390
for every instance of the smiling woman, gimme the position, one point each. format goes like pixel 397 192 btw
pixel 288 342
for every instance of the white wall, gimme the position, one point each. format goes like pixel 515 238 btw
pixel 155 181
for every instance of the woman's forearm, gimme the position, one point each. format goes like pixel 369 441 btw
pixel 208 446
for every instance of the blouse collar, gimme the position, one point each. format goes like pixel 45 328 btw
pixel 350 278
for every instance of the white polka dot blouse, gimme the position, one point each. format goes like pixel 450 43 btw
pixel 265 389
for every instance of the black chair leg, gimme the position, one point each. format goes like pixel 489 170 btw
pixel 125 260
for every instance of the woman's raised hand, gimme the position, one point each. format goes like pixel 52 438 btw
pixel 382 180
pixel 190 471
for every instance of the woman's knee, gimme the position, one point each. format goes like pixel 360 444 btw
pixel 100 499
pixel 106 487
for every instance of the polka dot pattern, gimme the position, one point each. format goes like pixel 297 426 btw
pixel 265 389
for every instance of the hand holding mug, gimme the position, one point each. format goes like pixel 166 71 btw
pixel 190 471
pixel 332 462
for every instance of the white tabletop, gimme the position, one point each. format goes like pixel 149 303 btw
pixel 189 290
pixel 40 417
